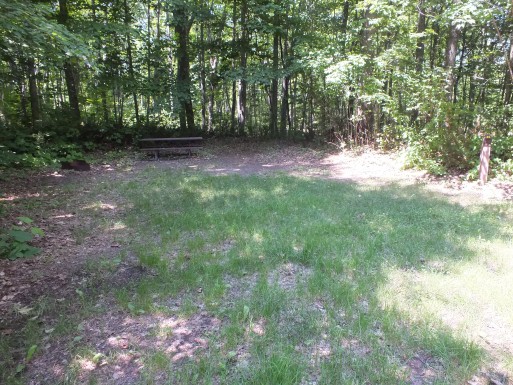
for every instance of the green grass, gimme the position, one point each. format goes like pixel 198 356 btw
pixel 312 280
pixel 385 262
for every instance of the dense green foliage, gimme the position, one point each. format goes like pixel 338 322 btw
pixel 14 243
pixel 429 74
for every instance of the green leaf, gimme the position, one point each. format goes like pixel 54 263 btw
pixel 37 231
pixel 30 251
pixel 97 357
pixel 20 368
pixel 21 236
pixel 30 353
pixel 25 219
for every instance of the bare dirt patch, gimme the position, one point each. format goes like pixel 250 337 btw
pixel 288 275
pixel 113 345
pixel 423 369
pixel 61 205
pixel 365 167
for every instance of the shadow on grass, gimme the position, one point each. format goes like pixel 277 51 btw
pixel 350 236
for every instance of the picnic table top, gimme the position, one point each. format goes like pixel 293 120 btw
pixel 171 139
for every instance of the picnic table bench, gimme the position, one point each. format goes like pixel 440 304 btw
pixel 186 145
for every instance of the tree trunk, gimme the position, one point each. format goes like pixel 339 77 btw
pixel 285 84
pixel 131 73
pixel 103 93
pixel 211 96
pixel 203 78
pixel 242 113
pixel 70 72
pixel 421 28
pixel 509 74
pixel 183 79
pixel 366 110
pixel 148 62
pixel 461 65
pixel 345 20
pixel 20 75
pixel 420 50
pixel 35 107
pixel 284 118
pixel 451 50
pixel 509 65
pixel 234 82
pixel 433 52
pixel 273 119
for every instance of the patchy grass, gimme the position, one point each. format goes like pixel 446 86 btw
pixel 285 280
pixel 392 268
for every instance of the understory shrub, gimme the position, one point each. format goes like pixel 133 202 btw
pixel 15 242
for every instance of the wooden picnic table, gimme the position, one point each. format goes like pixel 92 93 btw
pixel 177 145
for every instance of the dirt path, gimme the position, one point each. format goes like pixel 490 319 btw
pixel 367 168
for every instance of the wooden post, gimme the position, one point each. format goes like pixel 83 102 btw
pixel 484 163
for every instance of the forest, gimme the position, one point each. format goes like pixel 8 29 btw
pixel 432 76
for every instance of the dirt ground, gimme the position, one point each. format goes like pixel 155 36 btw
pixel 363 167
pixel 68 215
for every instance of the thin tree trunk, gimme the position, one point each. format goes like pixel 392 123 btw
pixel 284 118
pixel 103 93
pixel 273 119
pixel 241 113
pixel 131 72
pixel 234 82
pixel 508 76
pixel 366 120
pixel 211 99
pixel 451 51
pixel 70 72
pixel 20 76
pixel 148 63
pixel 345 20
pixel 35 107
pixel 311 132
pixel 509 66
pixel 421 28
pixel 461 66
pixel 433 54
pixel 183 78
pixel 285 85
pixel 203 78
pixel 419 50
pixel 170 62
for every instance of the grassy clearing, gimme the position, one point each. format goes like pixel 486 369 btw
pixel 306 281
pixel 379 273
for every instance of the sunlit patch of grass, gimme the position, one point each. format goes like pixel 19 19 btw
pixel 472 299
pixel 280 366
pixel 362 247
